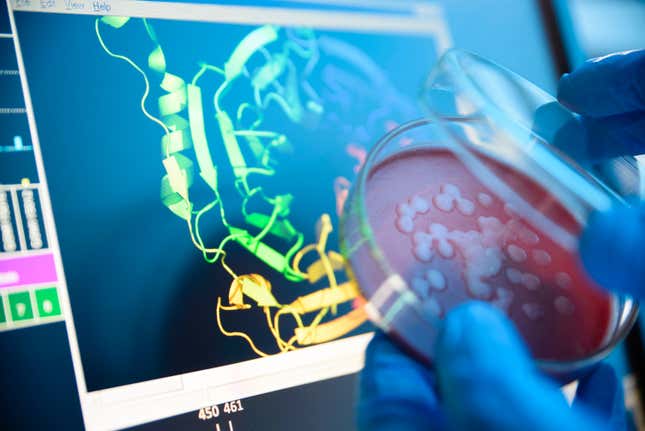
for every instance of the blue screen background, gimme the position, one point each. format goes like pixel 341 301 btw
pixel 143 299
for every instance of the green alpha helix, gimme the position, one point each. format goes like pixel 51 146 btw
pixel 181 116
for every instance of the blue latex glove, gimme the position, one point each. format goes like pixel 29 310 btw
pixel 484 377
pixel 609 93
pixel 484 380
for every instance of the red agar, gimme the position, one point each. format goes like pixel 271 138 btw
pixel 454 240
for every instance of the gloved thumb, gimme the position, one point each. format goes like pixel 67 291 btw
pixel 601 393
pixel 611 249
pixel 487 379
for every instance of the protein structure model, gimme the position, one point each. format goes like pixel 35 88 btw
pixel 274 64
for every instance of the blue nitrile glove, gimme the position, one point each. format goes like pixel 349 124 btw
pixel 483 376
pixel 484 380
pixel 609 94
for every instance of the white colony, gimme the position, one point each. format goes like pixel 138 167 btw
pixel 484 263
pixel 439 231
pixel 485 199
pixel 530 281
pixel 441 234
pixel 541 257
pixel 405 210
pixel 482 256
pixel 451 195
pixel 451 189
pixel 517 254
pixel 423 252
pixel 423 246
pixel 444 202
pixel 465 207
pixel 491 261
pixel 562 279
pixel 408 210
pixel 446 250
pixel 532 310
pixel 420 285
pixel 419 204
pixel 405 224
pixel 514 275
pixel 564 305
pixel 421 237
pixel 495 231
pixel 528 237
pixel 436 279
pixel 481 250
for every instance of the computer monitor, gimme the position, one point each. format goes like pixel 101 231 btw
pixel 171 181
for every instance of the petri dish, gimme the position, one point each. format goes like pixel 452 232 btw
pixel 484 199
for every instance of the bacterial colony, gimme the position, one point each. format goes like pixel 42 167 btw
pixel 454 240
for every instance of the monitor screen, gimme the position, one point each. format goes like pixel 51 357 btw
pixel 172 176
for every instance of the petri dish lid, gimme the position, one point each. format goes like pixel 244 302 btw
pixel 526 125
pixel 539 135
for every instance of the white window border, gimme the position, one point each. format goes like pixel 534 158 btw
pixel 143 402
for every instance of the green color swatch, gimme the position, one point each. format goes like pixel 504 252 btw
pixel 20 306
pixel 47 302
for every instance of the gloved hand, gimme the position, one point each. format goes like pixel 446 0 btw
pixel 609 93
pixel 484 377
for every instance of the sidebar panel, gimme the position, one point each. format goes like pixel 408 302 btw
pixel 37 383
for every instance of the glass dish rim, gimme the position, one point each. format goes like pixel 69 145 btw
pixel 622 326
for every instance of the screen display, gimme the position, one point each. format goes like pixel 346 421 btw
pixel 172 179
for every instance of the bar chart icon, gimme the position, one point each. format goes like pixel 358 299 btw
pixel 21 222
pixel 18 146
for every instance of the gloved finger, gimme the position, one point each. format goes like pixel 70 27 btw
pixel 587 138
pixel 611 249
pixel 601 393
pixel 606 86
pixel 396 392
pixel 487 379
pixel 614 136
